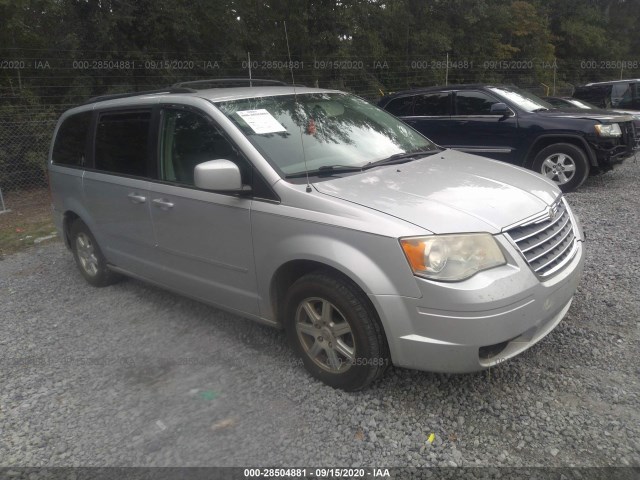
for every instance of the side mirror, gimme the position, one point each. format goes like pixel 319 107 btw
pixel 218 175
pixel 501 109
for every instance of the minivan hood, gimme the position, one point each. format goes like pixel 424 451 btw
pixel 448 192
pixel 594 114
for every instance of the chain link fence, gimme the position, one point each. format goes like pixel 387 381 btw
pixel 25 136
pixel 27 120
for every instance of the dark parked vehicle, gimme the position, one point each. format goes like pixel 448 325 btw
pixel 574 103
pixel 515 126
pixel 616 94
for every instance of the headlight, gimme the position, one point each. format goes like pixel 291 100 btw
pixel 610 130
pixel 452 257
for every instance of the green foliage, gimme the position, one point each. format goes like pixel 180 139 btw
pixel 398 32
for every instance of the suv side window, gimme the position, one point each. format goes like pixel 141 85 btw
pixel 432 104
pixel 122 143
pixel 400 107
pixel 187 139
pixel 474 103
pixel 71 141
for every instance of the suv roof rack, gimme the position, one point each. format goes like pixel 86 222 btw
pixel 115 96
pixel 230 82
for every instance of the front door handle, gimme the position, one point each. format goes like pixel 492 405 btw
pixel 135 198
pixel 162 203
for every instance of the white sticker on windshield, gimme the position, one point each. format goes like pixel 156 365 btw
pixel 261 121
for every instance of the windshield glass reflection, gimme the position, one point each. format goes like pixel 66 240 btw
pixel 337 130
pixel 525 100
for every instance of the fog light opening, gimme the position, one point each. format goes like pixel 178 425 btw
pixel 491 351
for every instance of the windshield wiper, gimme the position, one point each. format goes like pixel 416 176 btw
pixel 541 109
pixel 401 158
pixel 325 170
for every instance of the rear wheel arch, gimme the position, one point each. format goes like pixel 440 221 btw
pixel 68 219
pixel 88 255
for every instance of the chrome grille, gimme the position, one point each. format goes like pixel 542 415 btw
pixel 547 243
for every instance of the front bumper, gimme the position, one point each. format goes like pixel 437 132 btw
pixel 480 322
pixel 610 152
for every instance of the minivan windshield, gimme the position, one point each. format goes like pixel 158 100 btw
pixel 340 132
pixel 523 99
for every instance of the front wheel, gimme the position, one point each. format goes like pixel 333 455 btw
pixel 563 163
pixel 333 328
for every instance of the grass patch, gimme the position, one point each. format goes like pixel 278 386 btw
pixel 28 221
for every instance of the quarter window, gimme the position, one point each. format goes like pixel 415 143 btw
pixel 474 103
pixel 122 143
pixel 432 104
pixel 70 144
pixel 188 139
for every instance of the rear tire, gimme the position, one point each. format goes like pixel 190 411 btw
pixel 89 258
pixel 563 163
pixel 336 332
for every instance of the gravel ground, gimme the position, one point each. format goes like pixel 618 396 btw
pixel 133 375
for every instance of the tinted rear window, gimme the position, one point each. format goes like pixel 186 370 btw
pixel 69 147
pixel 122 143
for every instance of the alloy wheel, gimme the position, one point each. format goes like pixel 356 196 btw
pixel 325 335
pixel 86 254
pixel 559 167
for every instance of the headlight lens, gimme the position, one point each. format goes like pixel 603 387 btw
pixel 452 257
pixel 610 130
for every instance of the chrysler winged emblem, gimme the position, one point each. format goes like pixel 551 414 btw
pixel 553 211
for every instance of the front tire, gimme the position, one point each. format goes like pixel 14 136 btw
pixel 336 332
pixel 89 258
pixel 563 163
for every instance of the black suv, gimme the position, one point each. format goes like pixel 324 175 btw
pixel 510 124
pixel 617 94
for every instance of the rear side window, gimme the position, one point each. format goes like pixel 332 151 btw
pixel 474 103
pixel 71 141
pixel 432 104
pixel 122 143
pixel 400 106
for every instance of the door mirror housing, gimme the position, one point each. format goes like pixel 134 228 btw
pixel 218 175
pixel 501 109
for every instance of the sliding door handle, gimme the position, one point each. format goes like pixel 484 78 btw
pixel 162 203
pixel 135 198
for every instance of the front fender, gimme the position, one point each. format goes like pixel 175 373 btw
pixel 375 263
pixel 559 138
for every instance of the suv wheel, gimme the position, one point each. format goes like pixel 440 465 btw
pixel 89 258
pixel 563 163
pixel 335 331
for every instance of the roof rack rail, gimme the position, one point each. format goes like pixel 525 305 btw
pixel 230 82
pixel 115 96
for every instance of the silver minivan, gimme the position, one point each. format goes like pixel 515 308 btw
pixel 315 211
